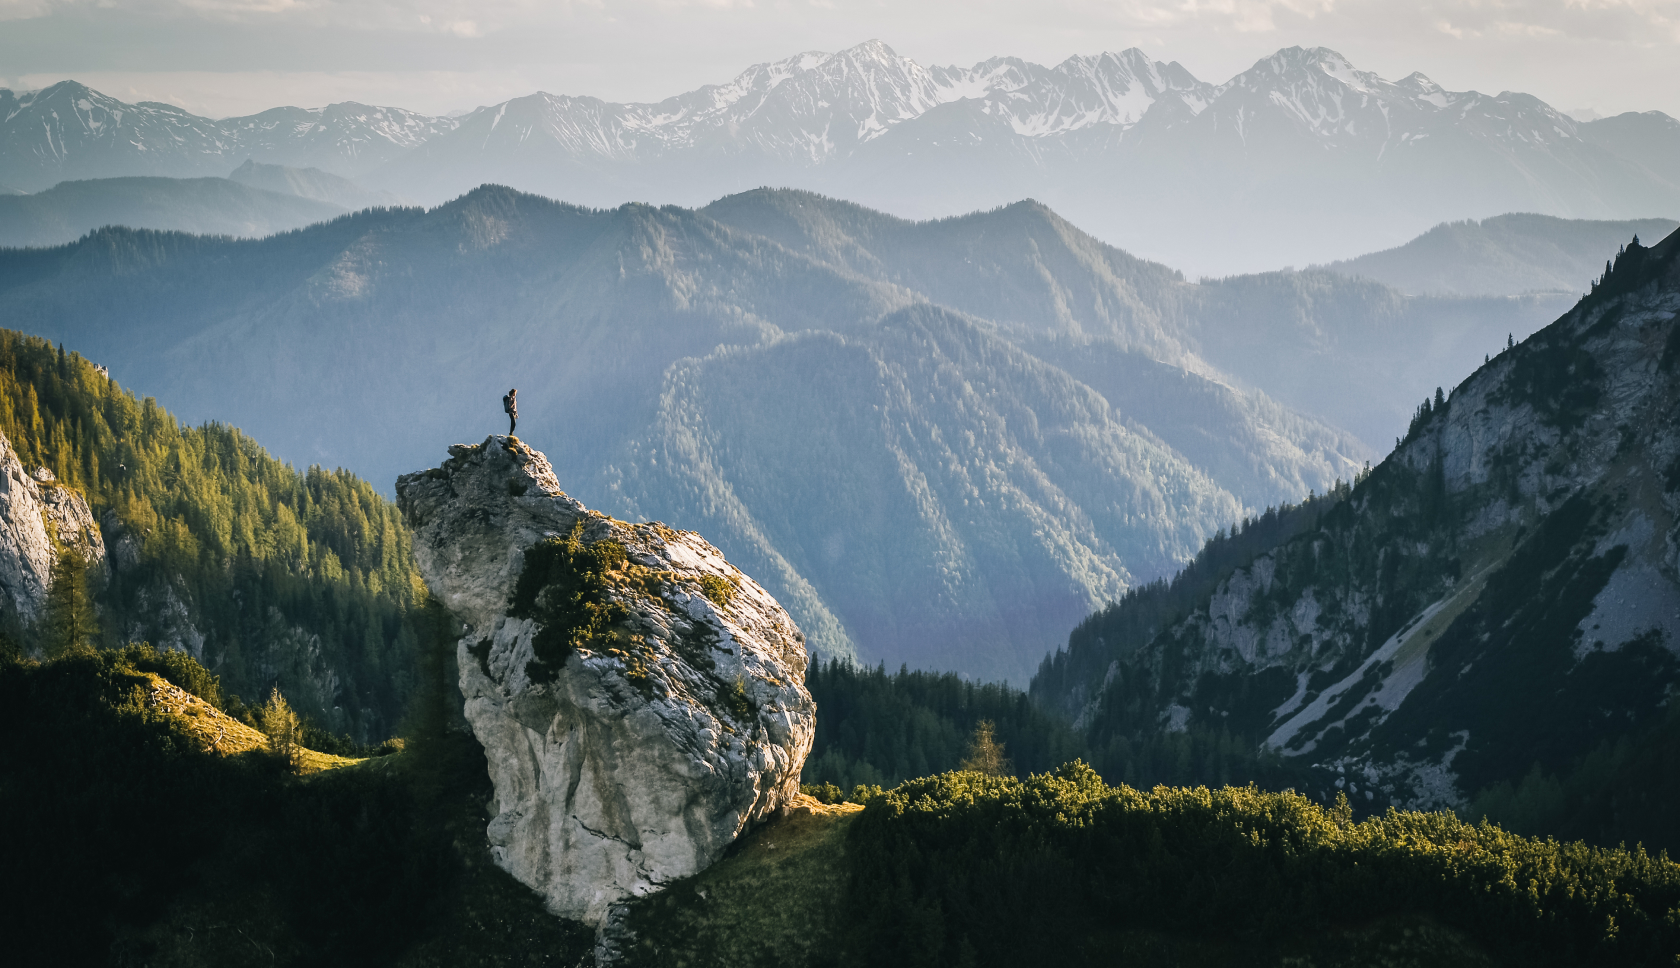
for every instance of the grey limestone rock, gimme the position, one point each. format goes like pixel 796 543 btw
pixel 640 701
pixel 33 512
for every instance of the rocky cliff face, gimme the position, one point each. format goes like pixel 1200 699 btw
pixel 1502 594
pixel 35 511
pixel 640 701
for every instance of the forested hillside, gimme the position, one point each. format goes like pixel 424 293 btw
pixel 879 729
pixel 1063 868
pixel 267 574
pixel 876 728
pixel 1067 678
pixel 1488 621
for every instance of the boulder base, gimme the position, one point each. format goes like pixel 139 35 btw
pixel 641 702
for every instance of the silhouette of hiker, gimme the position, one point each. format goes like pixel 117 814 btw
pixel 510 404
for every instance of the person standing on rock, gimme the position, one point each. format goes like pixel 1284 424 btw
pixel 510 404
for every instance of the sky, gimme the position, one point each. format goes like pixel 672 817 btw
pixel 232 57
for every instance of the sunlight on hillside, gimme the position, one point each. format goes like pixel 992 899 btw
pixel 221 733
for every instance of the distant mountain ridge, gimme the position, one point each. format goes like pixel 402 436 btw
pixel 1504 255
pixel 205 206
pixel 70 131
pixel 1302 158
pixel 310 183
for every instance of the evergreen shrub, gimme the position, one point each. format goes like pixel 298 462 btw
pixel 564 587
pixel 969 868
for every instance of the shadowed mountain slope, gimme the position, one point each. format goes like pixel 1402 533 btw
pixel 1351 351
pixel 1022 264
pixel 1490 621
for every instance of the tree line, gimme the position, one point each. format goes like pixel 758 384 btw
pixel 301 579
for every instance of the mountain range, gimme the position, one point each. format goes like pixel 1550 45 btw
pixel 1300 159
pixel 940 443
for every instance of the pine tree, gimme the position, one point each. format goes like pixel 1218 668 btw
pixel 985 753
pixel 71 622
pixel 281 724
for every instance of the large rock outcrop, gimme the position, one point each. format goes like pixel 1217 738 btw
pixel 640 701
pixel 34 511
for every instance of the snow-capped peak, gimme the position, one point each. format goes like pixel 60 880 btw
pixel 808 109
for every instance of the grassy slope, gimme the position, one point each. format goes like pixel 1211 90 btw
pixel 780 899
pixel 146 848
pixel 216 731
pixel 772 901
pixel 963 869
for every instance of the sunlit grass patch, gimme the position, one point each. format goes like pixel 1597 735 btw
pixel 216 731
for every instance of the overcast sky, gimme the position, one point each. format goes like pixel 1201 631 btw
pixel 230 57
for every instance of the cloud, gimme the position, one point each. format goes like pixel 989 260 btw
pixel 243 6
pixel 24 9
pixel 1248 16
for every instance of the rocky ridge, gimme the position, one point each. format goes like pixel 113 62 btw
pixel 1501 594
pixel 640 701
pixel 86 134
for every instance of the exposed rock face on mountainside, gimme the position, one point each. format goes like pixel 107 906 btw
pixel 1502 593
pixel 33 512
pixel 641 702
